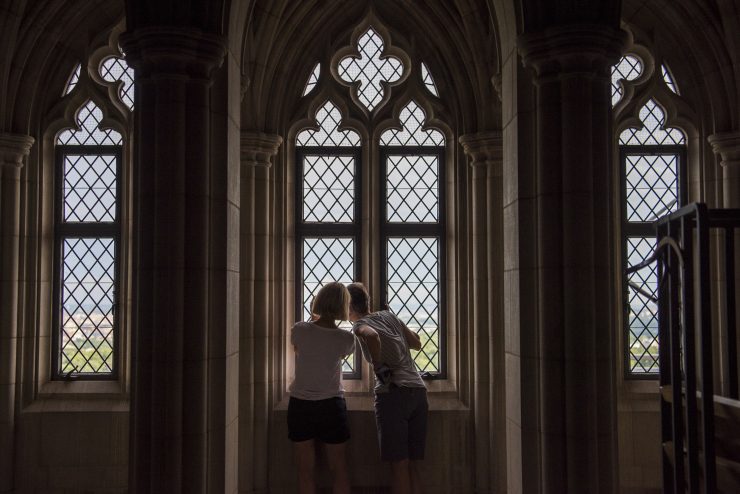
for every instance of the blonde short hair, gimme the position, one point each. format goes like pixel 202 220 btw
pixel 331 302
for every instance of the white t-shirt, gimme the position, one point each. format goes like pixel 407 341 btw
pixel 394 350
pixel 318 360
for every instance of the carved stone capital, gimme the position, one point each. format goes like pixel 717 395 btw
pixel 727 146
pixel 258 148
pixel 484 149
pixel 174 52
pixel 576 48
pixel 14 148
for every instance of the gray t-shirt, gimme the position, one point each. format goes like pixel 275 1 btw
pixel 318 360
pixel 394 350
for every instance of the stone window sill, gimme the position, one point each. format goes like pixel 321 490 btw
pixel 66 390
pixel 365 402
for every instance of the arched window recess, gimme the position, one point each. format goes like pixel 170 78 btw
pixel 652 129
pixel 371 161
pixel 85 149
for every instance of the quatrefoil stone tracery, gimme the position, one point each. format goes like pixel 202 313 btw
pixel 371 69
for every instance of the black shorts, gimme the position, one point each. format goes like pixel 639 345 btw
pixel 401 416
pixel 324 420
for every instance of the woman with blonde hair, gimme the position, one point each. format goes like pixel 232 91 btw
pixel 317 410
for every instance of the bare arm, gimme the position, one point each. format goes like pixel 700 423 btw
pixel 413 339
pixel 371 339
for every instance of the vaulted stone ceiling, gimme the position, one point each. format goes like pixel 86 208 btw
pixel 41 39
pixel 284 39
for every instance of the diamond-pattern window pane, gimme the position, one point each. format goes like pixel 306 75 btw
pixel 652 186
pixel 328 134
pixel 414 292
pixel 629 68
pixel 327 259
pixel 371 68
pixel 426 78
pixel 412 188
pixel 89 188
pixel 668 78
pixel 328 189
pixel 74 78
pixel 88 120
pixel 652 131
pixel 87 319
pixel 115 69
pixel 313 79
pixel 643 313
pixel 411 134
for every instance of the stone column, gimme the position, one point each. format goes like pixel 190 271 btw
pixel 726 146
pixel 14 148
pixel 257 307
pixel 485 151
pixel 178 408
pixel 570 347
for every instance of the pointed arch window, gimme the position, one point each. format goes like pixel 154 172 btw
pixel 395 220
pixel 652 165
pixel 413 231
pixel 328 225
pixel 87 244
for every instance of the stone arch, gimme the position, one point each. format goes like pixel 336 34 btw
pixel 43 59
pixel 684 34
pixel 462 54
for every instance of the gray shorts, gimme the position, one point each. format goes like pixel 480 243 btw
pixel 401 415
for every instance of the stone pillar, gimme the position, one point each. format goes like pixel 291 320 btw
pixel 485 151
pixel 257 308
pixel 178 408
pixel 726 146
pixel 14 148
pixel 570 347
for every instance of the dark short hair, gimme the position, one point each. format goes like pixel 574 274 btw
pixel 359 300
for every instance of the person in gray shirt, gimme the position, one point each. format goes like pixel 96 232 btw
pixel 317 410
pixel 401 405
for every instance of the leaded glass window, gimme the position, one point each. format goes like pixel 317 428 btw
pixel 652 161
pixel 327 224
pixel 629 68
pixel 426 77
pixel 668 79
pixel 114 69
pixel 371 70
pixel 74 78
pixel 403 218
pixel 412 163
pixel 313 79
pixel 329 133
pixel 87 234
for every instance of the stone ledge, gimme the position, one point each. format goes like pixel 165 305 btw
pixel 77 404
pixel 365 403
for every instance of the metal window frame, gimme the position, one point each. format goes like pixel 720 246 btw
pixel 631 229
pixel 317 229
pixel 437 230
pixel 65 230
